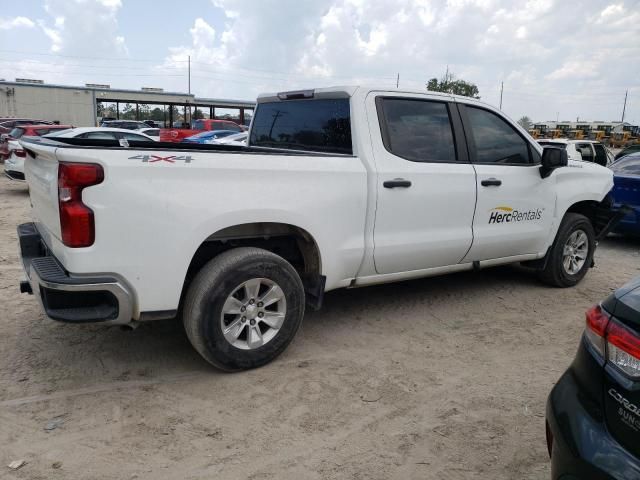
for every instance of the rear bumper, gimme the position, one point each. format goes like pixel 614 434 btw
pixel 66 297
pixel 582 446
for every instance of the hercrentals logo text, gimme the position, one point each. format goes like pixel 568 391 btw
pixel 509 215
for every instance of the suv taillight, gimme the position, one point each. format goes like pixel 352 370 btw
pixel 20 153
pixel 622 345
pixel 76 219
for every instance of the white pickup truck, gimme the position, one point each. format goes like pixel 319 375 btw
pixel 337 187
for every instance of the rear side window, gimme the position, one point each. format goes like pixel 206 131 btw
pixel 496 141
pixel 417 130
pixel 322 125
pixel 100 135
pixel 134 137
pixel 198 125
pixel 17 132
pixel 227 126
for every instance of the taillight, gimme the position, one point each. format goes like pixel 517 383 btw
pixel 621 344
pixel 76 219
pixel 597 321
pixel 20 153
pixel 623 348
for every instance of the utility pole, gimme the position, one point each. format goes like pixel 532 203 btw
pixel 189 88
pixel 625 104
pixel 398 80
pixel 501 89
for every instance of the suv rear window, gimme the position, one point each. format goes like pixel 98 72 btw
pixel 322 125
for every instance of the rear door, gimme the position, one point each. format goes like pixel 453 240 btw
pixel 515 208
pixel 426 186
pixel 601 157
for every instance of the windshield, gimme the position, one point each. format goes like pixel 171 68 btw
pixel 629 165
pixel 17 132
pixel 554 144
pixel 322 125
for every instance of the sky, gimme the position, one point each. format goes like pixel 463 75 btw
pixel 556 59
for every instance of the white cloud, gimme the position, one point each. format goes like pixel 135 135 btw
pixel 551 56
pixel 16 22
pixel 84 27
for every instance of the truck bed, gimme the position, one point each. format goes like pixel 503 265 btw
pixel 90 143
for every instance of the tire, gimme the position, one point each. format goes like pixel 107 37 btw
pixel 555 272
pixel 212 291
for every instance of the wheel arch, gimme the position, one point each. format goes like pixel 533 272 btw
pixel 599 213
pixel 291 242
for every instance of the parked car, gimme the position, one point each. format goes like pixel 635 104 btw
pixel 125 124
pixel 627 151
pixel 102 133
pixel 28 130
pixel 207 137
pixel 584 150
pixel 177 134
pixel 238 139
pixel 8 124
pixel 14 166
pixel 593 412
pixel 626 191
pixel 338 187
pixel 154 133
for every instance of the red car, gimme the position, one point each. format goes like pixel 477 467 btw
pixel 177 134
pixel 7 124
pixel 26 130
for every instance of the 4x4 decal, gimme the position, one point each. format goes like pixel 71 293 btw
pixel 157 158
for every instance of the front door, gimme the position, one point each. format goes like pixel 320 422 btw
pixel 515 208
pixel 426 188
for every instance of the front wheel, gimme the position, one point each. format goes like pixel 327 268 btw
pixel 571 254
pixel 243 308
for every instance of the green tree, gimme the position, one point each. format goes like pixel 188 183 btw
pixel 449 84
pixel 197 114
pixel 525 122
pixel 128 112
pixel 156 114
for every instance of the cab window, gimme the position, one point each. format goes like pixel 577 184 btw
pixel 417 130
pixel 495 140
pixel 586 151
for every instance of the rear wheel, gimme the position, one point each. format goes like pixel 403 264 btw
pixel 243 308
pixel 571 254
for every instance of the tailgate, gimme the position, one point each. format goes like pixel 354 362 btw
pixel 41 173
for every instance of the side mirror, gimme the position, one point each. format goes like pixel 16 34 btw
pixel 553 158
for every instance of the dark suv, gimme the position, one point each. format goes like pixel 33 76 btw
pixel 593 412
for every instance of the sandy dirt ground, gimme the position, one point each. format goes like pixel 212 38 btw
pixel 443 378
